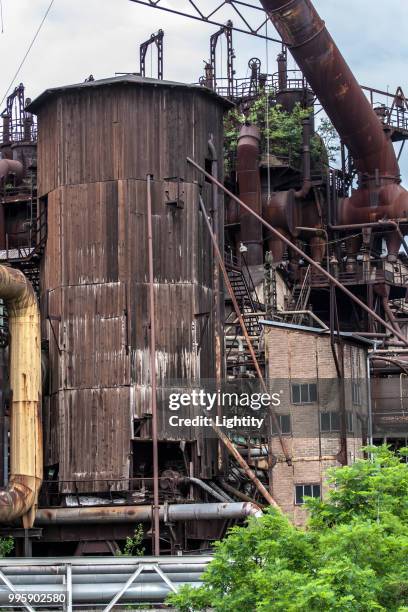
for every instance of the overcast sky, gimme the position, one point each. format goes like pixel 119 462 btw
pixel 102 37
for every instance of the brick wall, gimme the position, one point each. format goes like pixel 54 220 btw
pixel 295 357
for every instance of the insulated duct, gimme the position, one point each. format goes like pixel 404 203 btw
pixel 379 194
pixel 19 498
pixel 143 514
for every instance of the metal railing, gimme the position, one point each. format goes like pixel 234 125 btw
pixel 19 131
pixel 376 271
pixel 392 108
pixel 245 87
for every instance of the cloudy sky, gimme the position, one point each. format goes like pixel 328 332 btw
pixel 102 37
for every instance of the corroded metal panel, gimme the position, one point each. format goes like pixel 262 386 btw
pixel 95 272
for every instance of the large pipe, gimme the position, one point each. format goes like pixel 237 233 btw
pixel 143 514
pixel 250 191
pixel 19 499
pixel 11 166
pixel 331 79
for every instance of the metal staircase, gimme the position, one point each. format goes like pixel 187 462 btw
pixel 239 362
pixel 300 298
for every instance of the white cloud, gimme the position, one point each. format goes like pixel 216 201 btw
pixel 102 37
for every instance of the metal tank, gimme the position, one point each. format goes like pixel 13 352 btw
pixel 97 144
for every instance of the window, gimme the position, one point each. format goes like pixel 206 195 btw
pixel 356 393
pixel 304 393
pixel 284 424
pixel 330 421
pixel 306 490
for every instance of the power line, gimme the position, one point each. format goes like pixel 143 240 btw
pixel 28 51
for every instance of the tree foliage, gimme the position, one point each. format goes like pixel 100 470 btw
pixel 132 547
pixel 283 130
pixel 352 555
pixel 6 546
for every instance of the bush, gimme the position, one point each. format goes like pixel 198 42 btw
pixel 352 555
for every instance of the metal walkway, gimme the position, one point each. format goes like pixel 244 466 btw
pixel 94 583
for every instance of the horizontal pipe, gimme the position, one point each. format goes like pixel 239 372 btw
pixel 150 578
pixel 102 562
pixel 135 514
pixel 96 593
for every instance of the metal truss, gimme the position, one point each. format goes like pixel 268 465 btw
pixel 249 18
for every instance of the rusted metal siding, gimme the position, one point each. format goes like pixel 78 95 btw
pixel 123 132
pixel 95 272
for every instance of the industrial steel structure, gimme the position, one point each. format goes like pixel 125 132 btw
pixel 163 255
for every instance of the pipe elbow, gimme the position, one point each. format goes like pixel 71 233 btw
pixel 19 498
pixel 11 166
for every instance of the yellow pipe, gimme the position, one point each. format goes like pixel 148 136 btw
pixel 19 498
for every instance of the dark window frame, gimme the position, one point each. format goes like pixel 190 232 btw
pixel 333 415
pixel 284 430
pixel 313 489
pixel 303 393
pixel 356 393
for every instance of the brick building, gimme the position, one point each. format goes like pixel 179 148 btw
pixel 323 416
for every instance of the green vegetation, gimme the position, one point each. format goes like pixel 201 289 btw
pixel 6 546
pixel 284 131
pixel 132 547
pixel 352 555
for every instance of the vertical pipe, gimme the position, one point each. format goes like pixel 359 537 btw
pixel 156 509
pixel 282 71
pixel 217 287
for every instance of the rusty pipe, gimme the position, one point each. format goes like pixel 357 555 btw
pixel 11 166
pixel 360 129
pixel 331 79
pixel 403 367
pixel 250 191
pixel 306 159
pixel 143 514
pixel 19 498
pixel 153 375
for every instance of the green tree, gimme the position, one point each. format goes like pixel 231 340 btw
pixel 352 555
pixel 132 547
pixel 6 546
pixel 283 130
